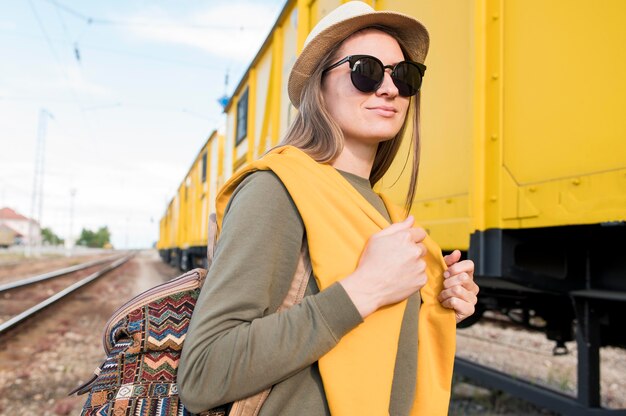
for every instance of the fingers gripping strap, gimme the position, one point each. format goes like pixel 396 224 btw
pixel 251 406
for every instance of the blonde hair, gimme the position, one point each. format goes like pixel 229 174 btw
pixel 316 133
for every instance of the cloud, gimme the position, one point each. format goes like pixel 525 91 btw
pixel 234 31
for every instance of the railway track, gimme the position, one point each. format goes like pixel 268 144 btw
pixel 500 354
pixel 506 344
pixel 109 264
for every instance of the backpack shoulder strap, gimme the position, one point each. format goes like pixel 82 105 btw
pixel 211 239
pixel 252 405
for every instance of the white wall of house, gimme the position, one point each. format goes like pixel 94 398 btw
pixel 22 227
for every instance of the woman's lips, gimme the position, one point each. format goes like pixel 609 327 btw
pixel 384 111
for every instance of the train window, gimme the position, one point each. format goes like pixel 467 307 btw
pixel 203 172
pixel 242 117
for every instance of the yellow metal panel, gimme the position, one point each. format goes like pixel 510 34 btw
pixel 265 88
pixel 578 200
pixel 492 139
pixel 380 4
pixel 183 241
pixel 193 203
pixel 222 174
pixel 180 217
pixel 321 8
pixel 445 219
pixel 565 89
pixel 510 202
pixel 289 58
pixel 252 110
pixel 229 143
pixel 302 29
pixel 161 242
pixel 200 225
pixel 168 239
pixel 173 221
pixel 479 140
pixel 262 103
pixel 178 227
pixel 203 230
pixel 313 12
pixel 214 169
pixel 277 83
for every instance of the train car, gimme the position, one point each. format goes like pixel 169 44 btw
pixel 184 227
pixel 166 245
pixel 163 245
pixel 523 155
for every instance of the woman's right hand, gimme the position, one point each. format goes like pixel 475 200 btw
pixel 390 269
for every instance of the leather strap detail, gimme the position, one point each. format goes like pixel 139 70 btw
pixel 250 406
pixel 212 238
pixel 300 279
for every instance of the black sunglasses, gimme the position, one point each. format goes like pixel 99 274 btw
pixel 367 74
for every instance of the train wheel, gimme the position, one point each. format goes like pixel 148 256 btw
pixel 186 261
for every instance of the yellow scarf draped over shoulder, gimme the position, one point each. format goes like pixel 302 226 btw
pixel 358 373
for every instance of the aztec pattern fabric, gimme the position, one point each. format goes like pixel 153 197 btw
pixel 143 341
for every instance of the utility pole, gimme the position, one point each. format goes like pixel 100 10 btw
pixel 34 244
pixel 69 242
pixel 4 194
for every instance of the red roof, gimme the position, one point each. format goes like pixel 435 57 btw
pixel 9 214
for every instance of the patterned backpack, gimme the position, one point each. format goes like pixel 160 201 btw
pixel 143 341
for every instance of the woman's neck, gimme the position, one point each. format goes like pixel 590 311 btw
pixel 356 158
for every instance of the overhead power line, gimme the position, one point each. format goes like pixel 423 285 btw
pixel 96 20
pixel 136 55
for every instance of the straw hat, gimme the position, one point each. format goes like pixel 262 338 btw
pixel 341 23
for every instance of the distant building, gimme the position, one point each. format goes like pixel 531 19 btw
pixel 8 236
pixel 19 227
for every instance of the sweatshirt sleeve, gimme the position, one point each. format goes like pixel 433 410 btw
pixel 236 345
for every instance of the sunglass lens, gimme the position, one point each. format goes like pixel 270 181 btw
pixel 367 73
pixel 407 79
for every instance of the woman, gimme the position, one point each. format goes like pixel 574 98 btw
pixel 351 346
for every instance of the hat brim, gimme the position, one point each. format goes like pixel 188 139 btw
pixel 412 36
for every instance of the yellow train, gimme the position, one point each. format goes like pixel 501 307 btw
pixel 523 152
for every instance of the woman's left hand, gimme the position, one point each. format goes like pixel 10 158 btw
pixel 460 292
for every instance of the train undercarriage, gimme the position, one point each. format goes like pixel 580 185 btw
pixel 570 283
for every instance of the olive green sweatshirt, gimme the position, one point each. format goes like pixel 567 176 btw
pixel 237 345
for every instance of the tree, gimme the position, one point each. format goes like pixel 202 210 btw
pixel 50 237
pixel 94 239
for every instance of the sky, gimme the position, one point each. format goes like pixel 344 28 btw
pixel 124 95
